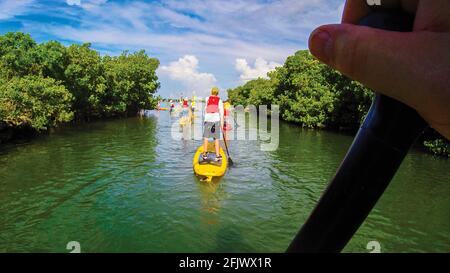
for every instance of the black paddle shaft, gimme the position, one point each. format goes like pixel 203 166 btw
pixel 230 161
pixel 380 146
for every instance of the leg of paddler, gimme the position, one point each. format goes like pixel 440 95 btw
pixel 217 146
pixel 205 146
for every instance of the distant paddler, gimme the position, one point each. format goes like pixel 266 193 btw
pixel 194 98
pixel 159 108
pixel 227 126
pixel 185 107
pixel 186 114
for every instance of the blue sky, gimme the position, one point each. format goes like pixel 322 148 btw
pixel 199 43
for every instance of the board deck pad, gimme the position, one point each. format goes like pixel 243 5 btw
pixel 210 160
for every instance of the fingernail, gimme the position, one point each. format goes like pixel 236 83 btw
pixel 321 45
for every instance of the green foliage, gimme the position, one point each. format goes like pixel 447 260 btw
pixel 308 93
pixel 351 101
pixel 256 92
pixel 133 81
pixel 262 91
pixel 53 60
pixel 304 94
pixel 17 55
pixel 44 84
pixel 84 78
pixel 34 101
pixel 315 96
pixel 440 147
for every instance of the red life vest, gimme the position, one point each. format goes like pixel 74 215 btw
pixel 212 106
pixel 185 103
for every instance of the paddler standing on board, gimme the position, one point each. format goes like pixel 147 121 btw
pixel 226 116
pixel 185 106
pixel 194 98
pixel 158 106
pixel 213 123
pixel 185 110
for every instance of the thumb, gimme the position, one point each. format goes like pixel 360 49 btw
pixel 412 67
pixel 379 59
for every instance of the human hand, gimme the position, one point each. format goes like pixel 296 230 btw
pixel 413 68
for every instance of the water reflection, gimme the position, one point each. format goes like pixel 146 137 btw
pixel 211 196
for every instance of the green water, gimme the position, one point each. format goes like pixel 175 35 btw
pixel 126 186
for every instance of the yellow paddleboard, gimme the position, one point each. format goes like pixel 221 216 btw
pixel 212 169
pixel 184 121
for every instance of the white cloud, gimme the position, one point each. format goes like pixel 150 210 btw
pixel 186 71
pixel 275 20
pixel 206 46
pixel 93 4
pixel 216 32
pixel 259 70
pixel 73 2
pixel 10 9
pixel 224 28
pixel 86 4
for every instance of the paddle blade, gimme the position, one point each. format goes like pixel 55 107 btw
pixel 230 162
